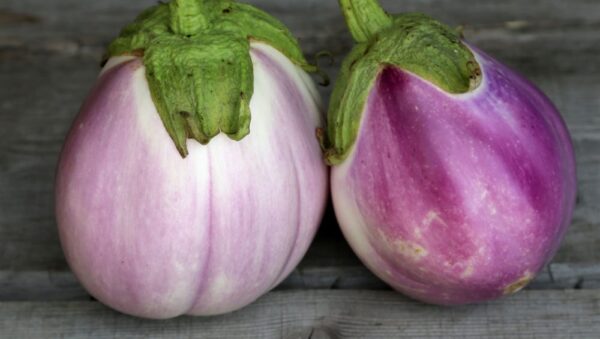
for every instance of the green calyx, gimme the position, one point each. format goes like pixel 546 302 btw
pixel 412 42
pixel 198 65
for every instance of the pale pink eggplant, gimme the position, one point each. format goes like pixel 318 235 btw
pixel 156 235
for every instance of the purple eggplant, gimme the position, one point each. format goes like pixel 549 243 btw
pixel 454 177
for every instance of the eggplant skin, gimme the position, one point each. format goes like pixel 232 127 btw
pixel 455 199
pixel 154 235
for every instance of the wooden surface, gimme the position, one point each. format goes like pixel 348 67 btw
pixel 49 55
pixel 324 314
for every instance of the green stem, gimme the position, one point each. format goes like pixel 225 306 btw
pixel 364 18
pixel 188 17
pixel 198 63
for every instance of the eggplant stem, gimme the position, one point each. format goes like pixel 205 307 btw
pixel 188 17
pixel 365 18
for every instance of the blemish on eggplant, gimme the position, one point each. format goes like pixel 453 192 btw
pixel 519 284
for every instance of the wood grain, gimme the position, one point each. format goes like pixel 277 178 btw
pixel 62 285
pixel 49 53
pixel 328 314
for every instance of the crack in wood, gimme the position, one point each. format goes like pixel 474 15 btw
pixel 9 18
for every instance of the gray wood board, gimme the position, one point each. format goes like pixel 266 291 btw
pixel 62 285
pixel 49 53
pixel 324 314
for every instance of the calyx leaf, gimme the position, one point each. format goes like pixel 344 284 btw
pixel 198 65
pixel 412 42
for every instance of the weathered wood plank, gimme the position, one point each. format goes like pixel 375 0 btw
pixel 62 285
pixel 330 314
pixel 94 14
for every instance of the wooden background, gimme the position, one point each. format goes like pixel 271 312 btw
pixel 49 58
